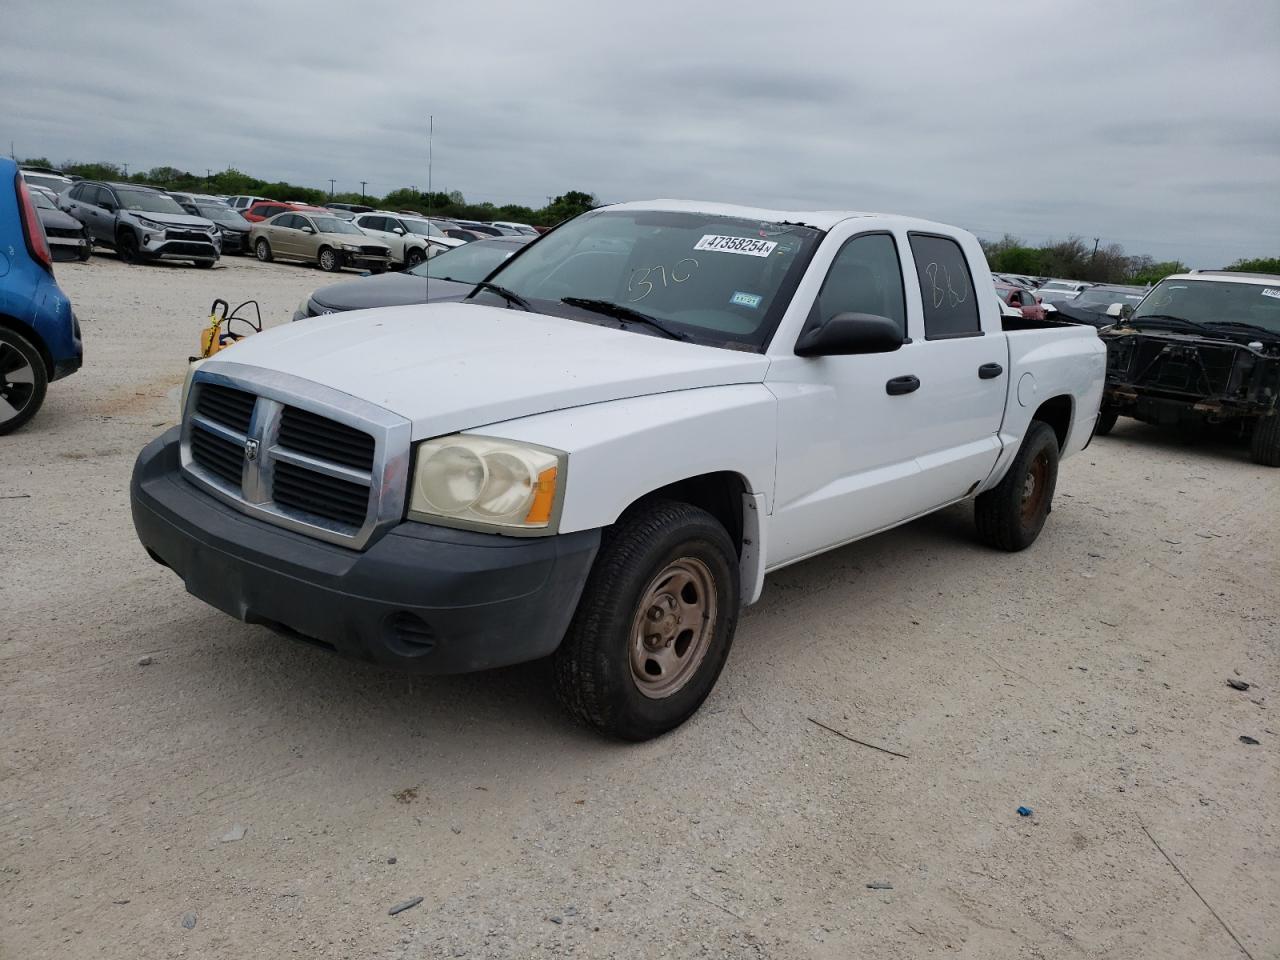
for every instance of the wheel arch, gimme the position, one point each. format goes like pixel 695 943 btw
pixel 28 333
pixel 1058 413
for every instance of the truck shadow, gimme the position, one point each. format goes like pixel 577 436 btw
pixel 1216 443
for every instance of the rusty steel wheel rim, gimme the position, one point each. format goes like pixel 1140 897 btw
pixel 672 627
pixel 1035 487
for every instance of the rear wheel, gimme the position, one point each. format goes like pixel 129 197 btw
pixel 263 250
pixel 1106 422
pixel 655 623
pixel 23 380
pixel 328 260
pixel 1011 515
pixel 1264 448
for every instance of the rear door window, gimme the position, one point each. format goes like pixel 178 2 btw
pixel 946 288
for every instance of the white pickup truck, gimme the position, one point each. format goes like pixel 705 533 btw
pixel 603 450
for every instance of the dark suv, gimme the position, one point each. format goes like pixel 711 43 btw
pixel 1201 348
pixel 141 223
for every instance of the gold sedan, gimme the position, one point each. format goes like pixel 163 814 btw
pixel 327 241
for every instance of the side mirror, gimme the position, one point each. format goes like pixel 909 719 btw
pixel 308 230
pixel 1114 309
pixel 850 333
pixel 108 205
pixel 398 231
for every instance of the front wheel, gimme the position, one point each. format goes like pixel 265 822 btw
pixel 127 247
pixel 86 252
pixel 655 623
pixel 329 261
pixel 1264 447
pixel 204 264
pixel 263 250
pixel 23 380
pixel 412 258
pixel 1011 514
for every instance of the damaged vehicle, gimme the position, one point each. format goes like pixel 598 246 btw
pixel 1201 349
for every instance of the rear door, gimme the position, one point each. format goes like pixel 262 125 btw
pixel 379 228
pixel 962 363
pixel 284 234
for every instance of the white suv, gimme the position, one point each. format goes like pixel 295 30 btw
pixel 411 239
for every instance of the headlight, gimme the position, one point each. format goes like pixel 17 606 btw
pixel 152 225
pixel 351 248
pixel 470 481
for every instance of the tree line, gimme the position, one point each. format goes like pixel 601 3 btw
pixel 1074 259
pixel 1070 259
pixel 232 182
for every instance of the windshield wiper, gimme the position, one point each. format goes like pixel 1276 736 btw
pixel 503 292
pixel 1167 318
pixel 621 312
pixel 1241 325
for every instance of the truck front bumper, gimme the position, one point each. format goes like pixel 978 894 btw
pixel 427 599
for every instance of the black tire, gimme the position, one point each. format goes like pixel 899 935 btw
pixel 412 258
pixel 86 252
pixel 1106 422
pixel 127 247
pixel 328 260
pixel 204 264
pixel 262 250
pixel 594 673
pixel 21 396
pixel 1264 448
pixel 1011 514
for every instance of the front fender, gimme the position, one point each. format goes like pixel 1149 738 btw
pixel 623 449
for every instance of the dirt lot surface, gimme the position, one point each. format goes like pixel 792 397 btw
pixel 1084 678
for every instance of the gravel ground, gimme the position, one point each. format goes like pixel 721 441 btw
pixel 1084 678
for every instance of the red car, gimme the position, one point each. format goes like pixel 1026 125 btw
pixel 1018 298
pixel 266 209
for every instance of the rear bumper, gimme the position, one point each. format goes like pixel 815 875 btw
pixel 422 598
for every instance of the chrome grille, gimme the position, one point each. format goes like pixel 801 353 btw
pixel 295 453
pixel 220 456
pixel 343 501
pixel 231 408
pixel 320 437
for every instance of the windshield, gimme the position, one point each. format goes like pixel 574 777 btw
pixel 423 228
pixel 470 263
pixel 1214 301
pixel 334 225
pixel 220 214
pixel 719 280
pixel 147 201
pixel 40 200
pixel 1059 285
pixel 56 184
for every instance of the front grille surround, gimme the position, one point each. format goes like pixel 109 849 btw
pixel 342 479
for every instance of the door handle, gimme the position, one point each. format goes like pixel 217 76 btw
pixel 900 385
pixel 989 371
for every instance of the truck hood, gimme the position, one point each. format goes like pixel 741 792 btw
pixel 454 366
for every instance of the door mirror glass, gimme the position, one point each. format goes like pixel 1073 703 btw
pixel 1126 311
pixel 850 333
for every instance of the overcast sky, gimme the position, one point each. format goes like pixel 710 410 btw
pixel 1152 124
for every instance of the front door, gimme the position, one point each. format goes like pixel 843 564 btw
pixel 846 457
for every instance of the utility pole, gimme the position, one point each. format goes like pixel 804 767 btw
pixel 362 183
pixel 126 171
pixel 1095 248
pixel 331 183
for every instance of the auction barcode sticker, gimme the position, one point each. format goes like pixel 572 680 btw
pixel 1268 292
pixel 748 245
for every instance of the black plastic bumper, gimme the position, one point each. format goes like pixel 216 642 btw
pixel 428 599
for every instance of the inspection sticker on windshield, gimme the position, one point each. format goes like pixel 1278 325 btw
pixel 1270 292
pixel 740 299
pixel 748 245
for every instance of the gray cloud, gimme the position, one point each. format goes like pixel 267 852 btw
pixel 1145 124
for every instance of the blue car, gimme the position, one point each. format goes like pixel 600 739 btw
pixel 39 332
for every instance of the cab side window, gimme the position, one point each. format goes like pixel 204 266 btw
pixel 946 288
pixel 865 277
